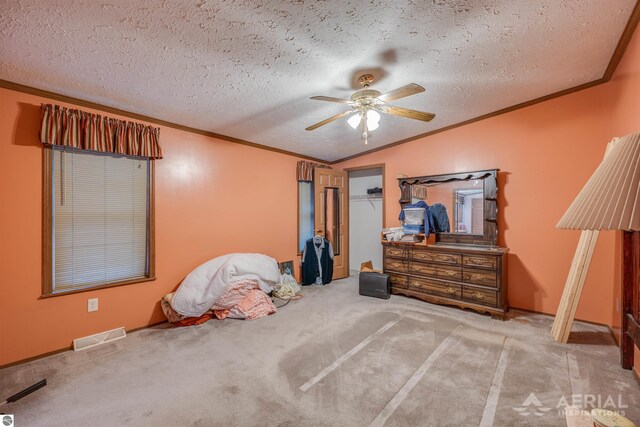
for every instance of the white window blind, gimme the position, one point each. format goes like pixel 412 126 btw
pixel 100 219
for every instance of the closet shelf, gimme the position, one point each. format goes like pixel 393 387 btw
pixel 365 197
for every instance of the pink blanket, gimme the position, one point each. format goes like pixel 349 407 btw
pixel 243 300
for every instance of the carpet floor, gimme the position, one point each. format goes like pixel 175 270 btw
pixel 333 358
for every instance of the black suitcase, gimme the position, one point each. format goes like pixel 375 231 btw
pixel 374 284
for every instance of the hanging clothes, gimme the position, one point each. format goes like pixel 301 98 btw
pixel 317 261
pixel 440 218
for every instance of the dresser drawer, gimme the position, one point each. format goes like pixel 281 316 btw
pixel 441 271
pixel 480 277
pixel 480 296
pixel 398 265
pixel 398 281
pixel 395 251
pixel 435 288
pixel 482 261
pixel 449 259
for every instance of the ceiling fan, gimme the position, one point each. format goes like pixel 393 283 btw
pixel 366 104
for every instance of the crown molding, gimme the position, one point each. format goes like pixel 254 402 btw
pixel 477 119
pixel 95 106
pixel 627 34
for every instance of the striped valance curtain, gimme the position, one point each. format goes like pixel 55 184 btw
pixel 87 131
pixel 305 170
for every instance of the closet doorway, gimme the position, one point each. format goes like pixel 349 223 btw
pixel 366 215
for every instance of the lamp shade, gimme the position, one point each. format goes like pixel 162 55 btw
pixel 610 199
pixel 372 118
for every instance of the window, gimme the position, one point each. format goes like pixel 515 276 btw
pixel 305 213
pixel 99 208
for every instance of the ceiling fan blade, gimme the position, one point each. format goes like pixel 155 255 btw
pixel 411 114
pixel 330 119
pixel 401 92
pixel 331 99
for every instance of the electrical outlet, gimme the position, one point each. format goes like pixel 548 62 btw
pixel 618 305
pixel 92 304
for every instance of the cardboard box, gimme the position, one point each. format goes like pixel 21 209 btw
pixel 367 266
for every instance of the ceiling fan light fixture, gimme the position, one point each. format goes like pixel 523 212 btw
pixel 372 120
pixel 367 104
pixel 354 121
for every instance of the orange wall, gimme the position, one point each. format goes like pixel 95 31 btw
pixel 546 153
pixel 212 197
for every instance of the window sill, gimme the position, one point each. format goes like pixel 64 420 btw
pixel 95 288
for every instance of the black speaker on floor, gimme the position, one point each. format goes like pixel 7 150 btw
pixel 373 284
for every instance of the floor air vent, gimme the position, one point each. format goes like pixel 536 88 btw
pixel 97 339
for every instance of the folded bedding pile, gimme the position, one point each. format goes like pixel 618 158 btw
pixel 233 285
pixel 178 319
pixel 244 300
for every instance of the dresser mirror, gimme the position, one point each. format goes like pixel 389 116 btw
pixel 464 205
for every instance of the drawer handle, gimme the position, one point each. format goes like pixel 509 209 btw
pixel 447 272
pixel 479 261
pixel 451 290
pixel 445 258
pixel 476 276
pixel 478 295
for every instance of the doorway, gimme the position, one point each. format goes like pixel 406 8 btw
pixel 366 215
pixel 330 192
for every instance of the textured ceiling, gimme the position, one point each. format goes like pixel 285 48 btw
pixel 246 69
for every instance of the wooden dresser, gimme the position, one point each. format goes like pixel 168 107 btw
pixel 465 276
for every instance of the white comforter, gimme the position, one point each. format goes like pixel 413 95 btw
pixel 204 285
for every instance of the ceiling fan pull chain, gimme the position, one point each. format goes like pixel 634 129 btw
pixel 365 130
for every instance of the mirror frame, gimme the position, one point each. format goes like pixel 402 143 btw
pixel 490 209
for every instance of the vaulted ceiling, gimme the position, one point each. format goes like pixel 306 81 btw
pixel 246 69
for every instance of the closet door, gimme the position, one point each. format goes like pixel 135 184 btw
pixel 331 195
